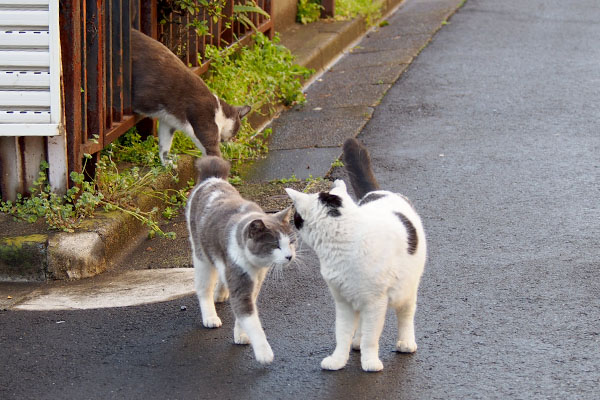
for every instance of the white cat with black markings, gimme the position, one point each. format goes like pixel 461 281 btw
pixel 163 87
pixel 234 243
pixel 372 254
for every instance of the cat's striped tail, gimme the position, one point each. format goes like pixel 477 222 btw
pixel 358 165
pixel 211 167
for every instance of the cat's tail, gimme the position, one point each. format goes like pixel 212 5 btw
pixel 358 165
pixel 211 167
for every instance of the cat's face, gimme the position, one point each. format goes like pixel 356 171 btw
pixel 312 210
pixel 271 240
pixel 229 119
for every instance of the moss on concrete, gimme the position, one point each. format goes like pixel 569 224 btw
pixel 23 257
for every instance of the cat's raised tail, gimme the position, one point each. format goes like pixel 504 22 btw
pixel 358 164
pixel 211 167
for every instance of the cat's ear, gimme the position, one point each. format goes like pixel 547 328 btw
pixel 284 215
pixel 338 187
pixel 243 110
pixel 296 196
pixel 256 228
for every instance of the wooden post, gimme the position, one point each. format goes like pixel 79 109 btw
pixel 95 65
pixel 11 181
pixel 70 34
pixel 117 60
pixel 328 8
pixel 149 18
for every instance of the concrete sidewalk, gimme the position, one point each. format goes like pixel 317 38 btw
pixel 306 141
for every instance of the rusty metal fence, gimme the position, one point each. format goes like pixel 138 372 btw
pixel 97 61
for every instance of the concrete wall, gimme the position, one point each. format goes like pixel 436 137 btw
pixel 284 13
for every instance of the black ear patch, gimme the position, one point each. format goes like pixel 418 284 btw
pixel 332 202
pixel 298 220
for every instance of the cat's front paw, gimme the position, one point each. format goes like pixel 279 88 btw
pixel 403 346
pixel 333 364
pixel 212 322
pixel 264 354
pixel 371 365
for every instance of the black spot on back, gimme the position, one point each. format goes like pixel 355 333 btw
pixel 332 202
pixel 298 220
pixel 412 238
pixel 369 197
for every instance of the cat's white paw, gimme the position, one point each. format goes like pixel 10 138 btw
pixel 371 365
pixel 212 322
pixel 264 354
pixel 241 338
pixel 403 346
pixel 333 364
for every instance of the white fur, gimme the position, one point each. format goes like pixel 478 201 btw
pixel 365 262
pixel 224 124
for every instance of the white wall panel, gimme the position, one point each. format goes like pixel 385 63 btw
pixel 29 68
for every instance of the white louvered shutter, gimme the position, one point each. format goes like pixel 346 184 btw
pixel 29 68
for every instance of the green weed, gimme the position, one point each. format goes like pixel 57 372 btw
pixel 348 9
pixel 308 11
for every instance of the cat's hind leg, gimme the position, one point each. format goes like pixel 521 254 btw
pixel 406 327
pixel 372 319
pixel 165 139
pixel 205 280
pixel 345 322
pixel 221 292
pixel 357 336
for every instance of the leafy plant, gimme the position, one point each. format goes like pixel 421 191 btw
pixel 308 11
pixel 347 9
pixel 110 189
pixel 261 75
pixel 241 11
pixel 337 163
pixel 194 8
pixel 287 180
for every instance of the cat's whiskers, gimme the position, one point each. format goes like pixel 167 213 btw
pixel 275 274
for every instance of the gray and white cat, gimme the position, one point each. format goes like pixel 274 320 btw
pixel 372 254
pixel 234 243
pixel 163 87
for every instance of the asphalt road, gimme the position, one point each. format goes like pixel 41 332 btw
pixel 493 133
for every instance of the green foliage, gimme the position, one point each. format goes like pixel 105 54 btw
pixel 241 11
pixel 193 9
pixel 111 189
pixel 337 163
pixel 286 180
pixel 260 75
pixel 308 11
pixel 347 9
